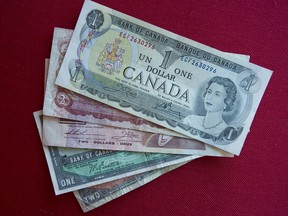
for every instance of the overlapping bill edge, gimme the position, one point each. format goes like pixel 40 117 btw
pixel 96 195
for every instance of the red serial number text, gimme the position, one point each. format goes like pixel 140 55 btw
pixel 137 40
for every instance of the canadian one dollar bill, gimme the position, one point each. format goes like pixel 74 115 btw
pixel 162 77
pixel 65 104
pixel 72 169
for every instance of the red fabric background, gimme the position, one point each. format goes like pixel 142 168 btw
pixel 255 183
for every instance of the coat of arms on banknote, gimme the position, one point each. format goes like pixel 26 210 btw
pixel 110 59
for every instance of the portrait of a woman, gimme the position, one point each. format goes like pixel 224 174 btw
pixel 219 97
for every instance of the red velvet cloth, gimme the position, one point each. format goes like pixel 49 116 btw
pixel 255 183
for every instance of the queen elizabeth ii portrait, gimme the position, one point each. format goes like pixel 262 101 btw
pixel 218 97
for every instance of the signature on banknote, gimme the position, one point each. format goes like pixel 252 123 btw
pixel 127 135
pixel 110 163
pixel 76 132
pixel 167 108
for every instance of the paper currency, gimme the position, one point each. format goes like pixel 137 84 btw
pixel 84 135
pixel 95 196
pixel 73 169
pixel 76 134
pixel 162 77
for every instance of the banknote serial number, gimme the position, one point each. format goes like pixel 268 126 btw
pixel 198 64
pixel 137 40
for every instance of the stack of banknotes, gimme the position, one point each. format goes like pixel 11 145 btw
pixel 126 101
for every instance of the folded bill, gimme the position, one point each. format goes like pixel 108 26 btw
pixel 69 105
pixel 162 77
pixel 95 196
pixel 72 169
